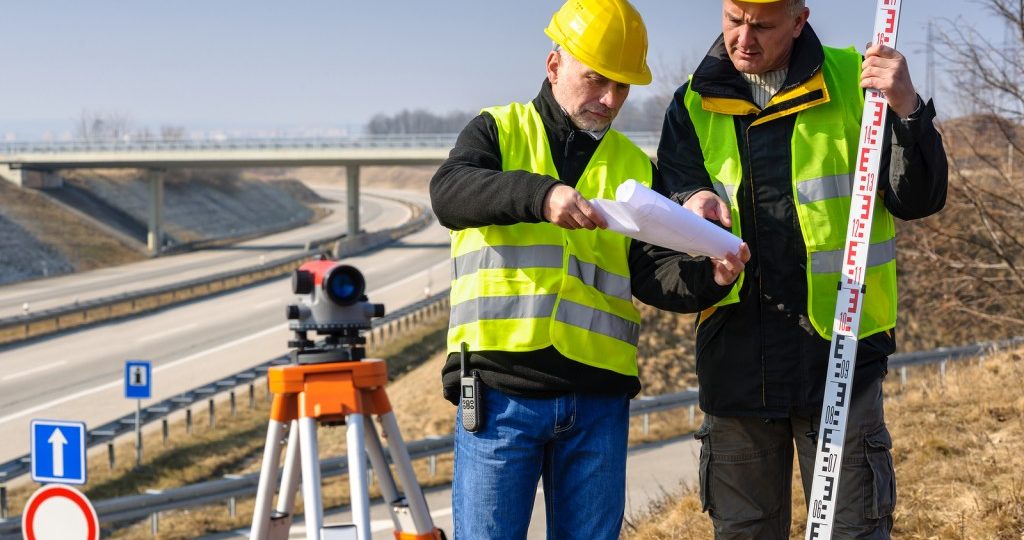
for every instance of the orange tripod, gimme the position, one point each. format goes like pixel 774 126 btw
pixel 332 392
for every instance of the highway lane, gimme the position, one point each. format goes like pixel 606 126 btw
pixel 376 213
pixel 78 375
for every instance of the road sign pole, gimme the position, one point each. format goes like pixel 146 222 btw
pixel 138 432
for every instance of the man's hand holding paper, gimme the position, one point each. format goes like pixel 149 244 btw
pixel 642 213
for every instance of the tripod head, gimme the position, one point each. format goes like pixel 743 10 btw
pixel 332 303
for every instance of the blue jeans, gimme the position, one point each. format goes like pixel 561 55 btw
pixel 575 443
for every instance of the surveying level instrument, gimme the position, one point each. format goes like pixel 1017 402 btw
pixel 332 383
pixel 842 357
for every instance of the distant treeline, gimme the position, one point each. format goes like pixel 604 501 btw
pixel 645 114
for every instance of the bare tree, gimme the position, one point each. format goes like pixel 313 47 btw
pixel 418 121
pixel 96 125
pixel 172 133
pixel 965 267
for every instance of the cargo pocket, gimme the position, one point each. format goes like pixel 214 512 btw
pixel 880 498
pixel 705 461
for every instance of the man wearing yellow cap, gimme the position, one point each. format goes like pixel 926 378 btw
pixel 542 295
pixel 763 139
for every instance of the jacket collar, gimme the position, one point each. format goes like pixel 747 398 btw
pixel 723 89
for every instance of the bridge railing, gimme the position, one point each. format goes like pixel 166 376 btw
pixel 130 145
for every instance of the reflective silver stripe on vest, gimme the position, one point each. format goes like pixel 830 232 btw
pixel 598 322
pixel 722 191
pixel 542 256
pixel 502 307
pixel 826 187
pixel 600 279
pixel 828 262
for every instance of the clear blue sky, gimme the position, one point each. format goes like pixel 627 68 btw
pixel 255 64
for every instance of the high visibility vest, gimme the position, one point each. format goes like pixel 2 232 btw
pixel 528 286
pixel 823 149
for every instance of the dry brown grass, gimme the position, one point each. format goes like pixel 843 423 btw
pixel 959 455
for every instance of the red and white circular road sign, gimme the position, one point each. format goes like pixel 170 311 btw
pixel 58 512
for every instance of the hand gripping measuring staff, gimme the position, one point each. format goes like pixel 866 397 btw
pixel 843 352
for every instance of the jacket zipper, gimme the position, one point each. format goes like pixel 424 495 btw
pixel 760 282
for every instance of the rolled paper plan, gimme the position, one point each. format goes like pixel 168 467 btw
pixel 640 212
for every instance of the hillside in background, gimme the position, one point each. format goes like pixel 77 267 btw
pixel 40 238
pixel 198 204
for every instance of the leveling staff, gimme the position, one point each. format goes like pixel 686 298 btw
pixel 542 296
pixel 764 138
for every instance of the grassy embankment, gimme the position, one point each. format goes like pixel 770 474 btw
pixel 73 236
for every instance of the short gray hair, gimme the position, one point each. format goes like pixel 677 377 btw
pixel 796 6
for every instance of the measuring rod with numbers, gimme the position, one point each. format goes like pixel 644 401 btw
pixel 843 352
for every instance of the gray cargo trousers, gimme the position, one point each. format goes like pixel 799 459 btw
pixel 746 471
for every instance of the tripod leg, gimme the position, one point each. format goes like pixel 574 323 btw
pixel 268 479
pixel 289 475
pixel 403 466
pixel 309 454
pixel 385 480
pixel 358 492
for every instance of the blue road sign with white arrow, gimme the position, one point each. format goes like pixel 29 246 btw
pixel 138 383
pixel 58 451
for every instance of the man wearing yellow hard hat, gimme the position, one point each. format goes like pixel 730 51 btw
pixel 763 138
pixel 542 294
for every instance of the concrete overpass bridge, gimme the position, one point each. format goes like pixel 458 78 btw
pixel 38 164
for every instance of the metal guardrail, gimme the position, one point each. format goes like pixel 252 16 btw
pixel 136 507
pixel 246 144
pixel 19 327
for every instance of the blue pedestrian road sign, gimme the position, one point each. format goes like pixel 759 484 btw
pixel 58 451
pixel 138 383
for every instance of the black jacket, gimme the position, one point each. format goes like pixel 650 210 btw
pixel 761 356
pixel 471 190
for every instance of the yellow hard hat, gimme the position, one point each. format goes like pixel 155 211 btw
pixel 607 35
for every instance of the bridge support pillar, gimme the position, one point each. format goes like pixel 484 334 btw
pixel 31 178
pixel 155 238
pixel 353 200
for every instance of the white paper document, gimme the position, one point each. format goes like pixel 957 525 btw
pixel 642 213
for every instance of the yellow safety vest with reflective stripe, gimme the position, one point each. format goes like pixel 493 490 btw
pixel 528 286
pixel 823 148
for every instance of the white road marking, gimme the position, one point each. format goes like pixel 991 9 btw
pixel 28 372
pixel 166 333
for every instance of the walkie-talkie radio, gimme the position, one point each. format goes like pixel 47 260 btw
pixel 469 395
